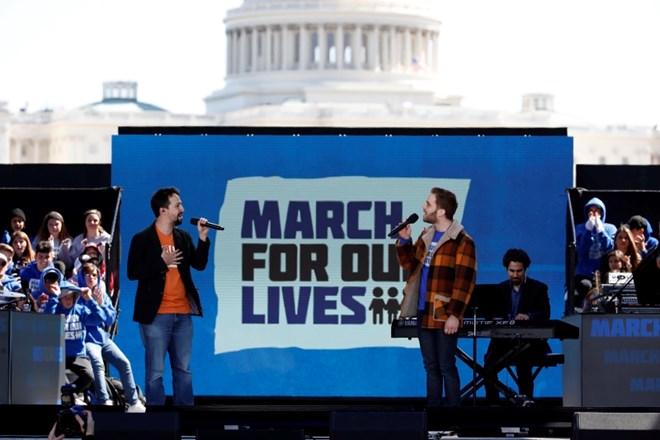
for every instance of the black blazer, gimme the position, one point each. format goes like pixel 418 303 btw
pixel 147 267
pixel 534 298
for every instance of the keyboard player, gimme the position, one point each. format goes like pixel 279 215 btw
pixel 522 298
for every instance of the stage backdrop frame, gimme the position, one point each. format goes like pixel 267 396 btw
pixel 325 198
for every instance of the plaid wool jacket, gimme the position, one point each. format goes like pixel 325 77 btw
pixel 451 278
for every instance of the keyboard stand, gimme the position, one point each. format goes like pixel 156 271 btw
pixel 480 377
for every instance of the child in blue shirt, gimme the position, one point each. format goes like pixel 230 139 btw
pixel 63 299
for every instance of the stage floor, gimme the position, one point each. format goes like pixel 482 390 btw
pixel 547 419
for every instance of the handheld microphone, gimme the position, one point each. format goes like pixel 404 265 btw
pixel 195 220
pixel 409 221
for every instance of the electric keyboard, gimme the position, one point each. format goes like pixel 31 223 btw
pixel 534 329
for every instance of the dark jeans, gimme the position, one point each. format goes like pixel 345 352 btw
pixel 523 363
pixel 438 354
pixel 79 372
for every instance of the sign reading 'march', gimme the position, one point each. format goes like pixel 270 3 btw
pixel 303 282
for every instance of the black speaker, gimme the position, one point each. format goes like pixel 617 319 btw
pixel 250 434
pixel 615 426
pixel 140 426
pixel 378 425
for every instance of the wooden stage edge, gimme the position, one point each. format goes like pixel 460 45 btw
pixel 547 418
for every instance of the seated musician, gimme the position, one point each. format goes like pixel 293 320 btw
pixel 522 299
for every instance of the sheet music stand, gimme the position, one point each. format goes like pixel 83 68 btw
pixel 485 303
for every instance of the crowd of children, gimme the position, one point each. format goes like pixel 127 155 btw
pixel 55 273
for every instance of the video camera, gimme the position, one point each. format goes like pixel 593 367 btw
pixel 67 423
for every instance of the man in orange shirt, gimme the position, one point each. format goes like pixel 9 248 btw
pixel 160 258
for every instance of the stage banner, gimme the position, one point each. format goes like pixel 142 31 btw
pixel 303 283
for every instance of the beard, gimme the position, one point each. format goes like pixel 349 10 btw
pixel 178 221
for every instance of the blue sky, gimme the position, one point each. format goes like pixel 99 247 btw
pixel 599 58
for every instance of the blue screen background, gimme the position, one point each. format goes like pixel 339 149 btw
pixel 516 199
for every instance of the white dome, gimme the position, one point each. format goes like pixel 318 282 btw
pixel 310 50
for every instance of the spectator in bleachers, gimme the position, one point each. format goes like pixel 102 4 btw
pixel 617 262
pixel 54 230
pixel 23 252
pixel 623 241
pixel 641 231
pixel 31 275
pixel 593 239
pixel 63 299
pixel 100 347
pixel 16 223
pixel 93 234
pixel 7 282
pixel 8 251
pixel 93 254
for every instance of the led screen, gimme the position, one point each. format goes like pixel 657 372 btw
pixel 303 283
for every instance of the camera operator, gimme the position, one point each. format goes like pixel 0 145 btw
pixel 86 427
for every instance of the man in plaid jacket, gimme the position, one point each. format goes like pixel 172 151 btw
pixel 443 269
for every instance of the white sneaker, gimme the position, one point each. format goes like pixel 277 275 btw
pixel 137 407
pixel 108 403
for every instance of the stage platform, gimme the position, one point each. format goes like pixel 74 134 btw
pixel 546 419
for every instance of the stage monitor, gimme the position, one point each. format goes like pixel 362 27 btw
pixel 250 434
pixel 137 426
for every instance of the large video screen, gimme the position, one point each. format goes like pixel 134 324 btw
pixel 303 282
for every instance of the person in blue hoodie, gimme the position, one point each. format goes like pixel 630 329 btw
pixel 100 347
pixel 62 299
pixel 31 274
pixel 593 239
pixel 641 231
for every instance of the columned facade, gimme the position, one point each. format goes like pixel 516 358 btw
pixel 304 50
pixel 331 46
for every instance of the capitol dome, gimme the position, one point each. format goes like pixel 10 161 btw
pixel 320 50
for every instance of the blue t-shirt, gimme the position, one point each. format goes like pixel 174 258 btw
pixel 425 269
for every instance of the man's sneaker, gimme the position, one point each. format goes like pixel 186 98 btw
pixel 108 403
pixel 137 407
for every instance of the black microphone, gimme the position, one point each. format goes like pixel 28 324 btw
pixel 409 221
pixel 195 220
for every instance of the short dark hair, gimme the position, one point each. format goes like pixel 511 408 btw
pixel 638 222
pixel 517 255
pixel 43 247
pixel 446 200
pixel 161 198
pixel 52 276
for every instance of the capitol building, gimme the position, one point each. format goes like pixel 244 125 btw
pixel 315 63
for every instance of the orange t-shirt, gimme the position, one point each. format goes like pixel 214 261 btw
pixel 174 294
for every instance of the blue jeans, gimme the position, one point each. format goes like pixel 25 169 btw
pixel 438 355
pixel 111 353
pixel 168 334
